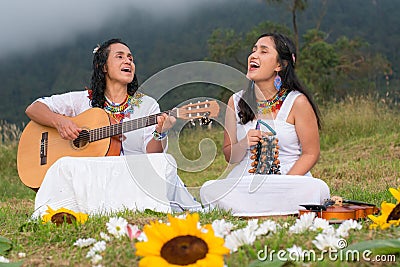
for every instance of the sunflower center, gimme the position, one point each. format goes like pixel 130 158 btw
pixel 63 217
pixel 184 250
pixel 394 214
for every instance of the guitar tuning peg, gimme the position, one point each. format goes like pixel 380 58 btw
pixel 205 120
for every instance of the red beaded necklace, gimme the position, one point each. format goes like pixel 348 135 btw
pixel 119 111
pixel 273 104
pixel 122 110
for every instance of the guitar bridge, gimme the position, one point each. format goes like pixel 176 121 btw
pixel 43 148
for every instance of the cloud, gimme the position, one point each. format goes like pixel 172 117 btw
pixel 28 24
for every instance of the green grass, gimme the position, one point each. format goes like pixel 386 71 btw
pixel 360 160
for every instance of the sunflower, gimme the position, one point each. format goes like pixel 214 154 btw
pixel 390 213
pixel 63 215
pixel 181 243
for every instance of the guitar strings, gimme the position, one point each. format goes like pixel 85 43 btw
pixel 92 135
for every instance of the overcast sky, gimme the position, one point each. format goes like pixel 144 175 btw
pixel 29 24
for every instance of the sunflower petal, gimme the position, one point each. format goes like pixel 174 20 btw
pixel 151 261
pixel 395 193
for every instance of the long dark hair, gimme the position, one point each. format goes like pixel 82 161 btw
pixel 98 81
pixel 287 59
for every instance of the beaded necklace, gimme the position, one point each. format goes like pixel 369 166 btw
pixel 273 104
pixel 124 109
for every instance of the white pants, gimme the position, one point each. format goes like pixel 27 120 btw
pixel 264 195
pixel 98 185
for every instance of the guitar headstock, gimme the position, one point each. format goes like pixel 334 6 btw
pixel 200 110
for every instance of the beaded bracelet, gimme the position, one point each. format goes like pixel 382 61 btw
pixel 159 136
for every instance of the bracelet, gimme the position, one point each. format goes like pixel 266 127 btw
pixel 159 136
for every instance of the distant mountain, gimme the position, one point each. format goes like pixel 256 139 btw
pixel 160 43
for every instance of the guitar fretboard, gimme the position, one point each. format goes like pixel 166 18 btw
pixel 126 126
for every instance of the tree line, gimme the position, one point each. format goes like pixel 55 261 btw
pixel 345 47
pixel 330 69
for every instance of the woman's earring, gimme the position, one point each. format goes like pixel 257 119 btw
pixel 277 81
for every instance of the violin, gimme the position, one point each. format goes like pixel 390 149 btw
pixel 337 210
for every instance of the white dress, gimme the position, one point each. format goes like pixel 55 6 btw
pixel 97 185
pixel 262 195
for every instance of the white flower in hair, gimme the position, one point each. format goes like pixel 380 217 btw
pixel 96 49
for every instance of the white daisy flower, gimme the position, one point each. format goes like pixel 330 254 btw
pixel 4 260
pixel 222 228
pixel 284 225
pixel 303 223
pixel 329 231
pixel 252 225
pixel 323 241
pixel 266 227
pixel 240 237
pixel 117 226
pixel 21 255
pixel 346 226
pixel 320 224
pixel 104 236
pixel 352 224
pixel 84 242
pixel 232 242
pixel 90 254
pixel 96 259
pixel 98 247
pixel 295 253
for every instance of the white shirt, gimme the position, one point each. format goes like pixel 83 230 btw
pixel 74 103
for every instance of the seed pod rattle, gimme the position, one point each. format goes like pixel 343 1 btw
pixel 265 156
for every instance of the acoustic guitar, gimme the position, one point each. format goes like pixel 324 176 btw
pixel 40 146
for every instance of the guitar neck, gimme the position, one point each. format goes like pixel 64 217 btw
pixel 126 126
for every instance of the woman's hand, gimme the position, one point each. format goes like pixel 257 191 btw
pixel 253 137
pixel 164 123
pixel 67 129
pixel 41 114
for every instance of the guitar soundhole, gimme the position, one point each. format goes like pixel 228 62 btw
pixel 82 140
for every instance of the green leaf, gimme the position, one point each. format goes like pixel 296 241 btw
pixel 5 245
pixel 378 247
